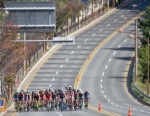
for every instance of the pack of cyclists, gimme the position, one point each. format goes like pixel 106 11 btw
pixel 48 99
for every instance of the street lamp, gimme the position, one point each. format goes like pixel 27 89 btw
pixel 135 36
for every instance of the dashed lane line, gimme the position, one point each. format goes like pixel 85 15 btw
pixel 86 40
pixel 125 40
pixel 115 20
pixel 109 60
pixel 93 34
pixel 103 74
pixel 114 53
pixel 61 66
pixel 100 30
pixel 79 46
pixel 128 11
pixel 76 84
pixel 56 73
pixel 66 59
pixel 108 25
pixel 72 52
pixel 119 46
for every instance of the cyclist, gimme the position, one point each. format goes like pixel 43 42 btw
pixel 16 96
pixel 86 98
pixel 80 98
pixel 21 95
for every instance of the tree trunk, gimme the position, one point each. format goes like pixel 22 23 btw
pixel 9 91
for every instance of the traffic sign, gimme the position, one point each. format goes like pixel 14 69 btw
pixel 64 40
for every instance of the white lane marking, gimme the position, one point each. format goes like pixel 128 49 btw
pixel 50 85
pixel 119 46
pixel 115 20
pixel 122 15
pixel 105 96
pixel 103 74
pixel 58 112
pixel 101 86
pixel 142 111
pixel 53 79
pixel 108 25
pixel 66 59
pixel 125 40
pixel 100 30
pixel 134 109
pixel 56 73
pixel 101 80
pixel 102 91
pixel 61 66
pixel 122 107
pixel 106 67
pixel 109 60
pixel 128 11
pixel 148 112
pixel 85 40
pixel 108 100
pixel 114 53
pixel 93 34
pixel 117 105
pixel 112 103
pixel 79 46
pixel 72 52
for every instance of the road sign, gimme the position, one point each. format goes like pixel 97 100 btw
pixel 64 40
pixel 32 16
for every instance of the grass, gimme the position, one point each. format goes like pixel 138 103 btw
pixel 140 85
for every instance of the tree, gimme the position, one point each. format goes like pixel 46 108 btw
pixel 142 52
pixel 144 25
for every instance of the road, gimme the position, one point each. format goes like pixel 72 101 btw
pixel 104 76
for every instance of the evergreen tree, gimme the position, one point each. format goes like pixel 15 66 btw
pixel 144 25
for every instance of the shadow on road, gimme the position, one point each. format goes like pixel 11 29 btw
pixel 123 58
pixel 122 48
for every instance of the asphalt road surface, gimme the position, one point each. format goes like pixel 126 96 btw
pixel 104 76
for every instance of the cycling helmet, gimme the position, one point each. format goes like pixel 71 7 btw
pixel 70 87
pixel 16 92
pixel 78 90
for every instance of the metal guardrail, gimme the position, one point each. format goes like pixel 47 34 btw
pixel 136 91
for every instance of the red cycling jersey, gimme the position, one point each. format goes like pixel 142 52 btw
pixel 48 96
pixel 42 96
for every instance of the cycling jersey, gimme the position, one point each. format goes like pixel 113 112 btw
pixel 16 96
pixel 80 95
pixel 25 97
pixel 36 97
pixel 20 96
pixel 86 95
pixel 75 96
pixel 48 95
pixel 62 95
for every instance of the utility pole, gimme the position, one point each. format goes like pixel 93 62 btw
pixel 108 5
pixel 136 38
pixel 24 63
pixel 148 67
